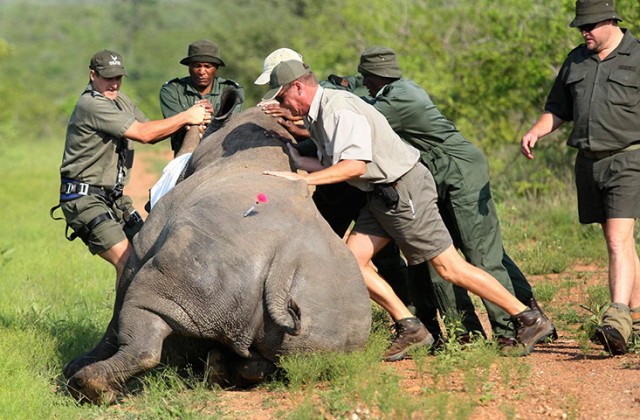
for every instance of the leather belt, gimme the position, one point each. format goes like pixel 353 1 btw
pixel 601 155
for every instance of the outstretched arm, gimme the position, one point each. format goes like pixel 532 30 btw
pixel 545 125
pixel 152 131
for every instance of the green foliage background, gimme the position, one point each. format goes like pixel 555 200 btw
pixel 487 64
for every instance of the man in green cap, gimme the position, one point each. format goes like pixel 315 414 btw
pixel 461 174
pixel 357 145
pixel 597 89
pixel 98 156
pixel 221 97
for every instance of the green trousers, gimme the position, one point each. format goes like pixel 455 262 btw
pixel 468 211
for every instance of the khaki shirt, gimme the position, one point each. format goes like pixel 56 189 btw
pixel 602 98
pixel 344 127
pixel 95 130
pixel 178 95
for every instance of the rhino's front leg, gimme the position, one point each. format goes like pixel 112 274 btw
pixel 140 350
pixel 106 348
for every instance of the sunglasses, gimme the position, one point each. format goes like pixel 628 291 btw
pixel 588 28
pixel 280 97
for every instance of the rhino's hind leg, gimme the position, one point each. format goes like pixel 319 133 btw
pixel 139 351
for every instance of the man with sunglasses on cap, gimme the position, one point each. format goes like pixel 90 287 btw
pixel 221 97
pixel 357 145
pixel 597 88
pixel 98 157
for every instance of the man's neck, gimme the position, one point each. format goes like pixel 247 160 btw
pixel 613 41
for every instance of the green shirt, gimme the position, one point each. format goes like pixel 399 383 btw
pixel 178 95
pixel 95 130
pixel 456 164
pixel 602 98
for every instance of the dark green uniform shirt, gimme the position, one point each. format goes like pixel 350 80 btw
pixel 457 165
pixel 178 95
pixel 95 130
pixel 602 98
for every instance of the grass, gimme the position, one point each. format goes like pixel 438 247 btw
pixel 57 300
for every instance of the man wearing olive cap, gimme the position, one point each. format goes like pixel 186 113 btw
pixel 220 96
pixel 598 89
pixel 98 156
pixel 461 174
pixel 357 145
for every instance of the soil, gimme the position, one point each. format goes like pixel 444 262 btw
pixel 568 378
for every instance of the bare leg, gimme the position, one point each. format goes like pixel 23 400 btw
pixel 364 247
pixel 453 268
pixel 623 261
pixel 118 256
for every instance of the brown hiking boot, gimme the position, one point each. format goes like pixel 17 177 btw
pixel 531 327
pixel 533 304
pixel 410 333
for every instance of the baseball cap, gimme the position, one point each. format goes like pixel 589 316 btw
pixel 108 64
pixel 272 60
pixel 283 73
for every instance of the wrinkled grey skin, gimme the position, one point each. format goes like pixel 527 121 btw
pixel 275 282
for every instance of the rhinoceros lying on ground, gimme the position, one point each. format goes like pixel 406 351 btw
pixel 274 282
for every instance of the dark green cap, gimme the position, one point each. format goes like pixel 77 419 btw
pixel 593 11
pixel 203 51
pixel 283 73
pixel 108 64
pixel 380 61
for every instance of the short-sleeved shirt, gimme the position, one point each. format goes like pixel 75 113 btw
pixel 94 133
pixel 344 127
pixel 601 97
pixel 178 95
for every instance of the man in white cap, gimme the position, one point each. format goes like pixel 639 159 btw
pixel 358 146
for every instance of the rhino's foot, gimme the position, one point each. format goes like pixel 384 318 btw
pixel 254 371
pixel 91 385
pixel 227 369
pixel 78 363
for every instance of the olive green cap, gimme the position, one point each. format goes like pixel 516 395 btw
pixel 283 73
pixel 203 51
pixel 380 61
pixel 107 64
pixel 593 11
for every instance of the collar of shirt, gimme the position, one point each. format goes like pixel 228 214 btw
pixel 314 109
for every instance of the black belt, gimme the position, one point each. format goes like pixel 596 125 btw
pixel 71 190
pixel 601 155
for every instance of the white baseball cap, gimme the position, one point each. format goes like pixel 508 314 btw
pixel 272 60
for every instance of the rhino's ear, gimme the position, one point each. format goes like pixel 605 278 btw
pixel 229 99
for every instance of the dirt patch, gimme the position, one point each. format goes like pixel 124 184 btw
pixel 570 378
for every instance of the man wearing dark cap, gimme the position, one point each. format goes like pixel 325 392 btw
pixel 221 96
pixel 357 145
pixel 461 175
pixel 597 89
pixel 98 156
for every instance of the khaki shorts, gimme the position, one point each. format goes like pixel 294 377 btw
pixel 414 223
pixel 608 188
pixel 82 211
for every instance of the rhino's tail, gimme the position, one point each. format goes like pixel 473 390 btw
pixel 281 306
